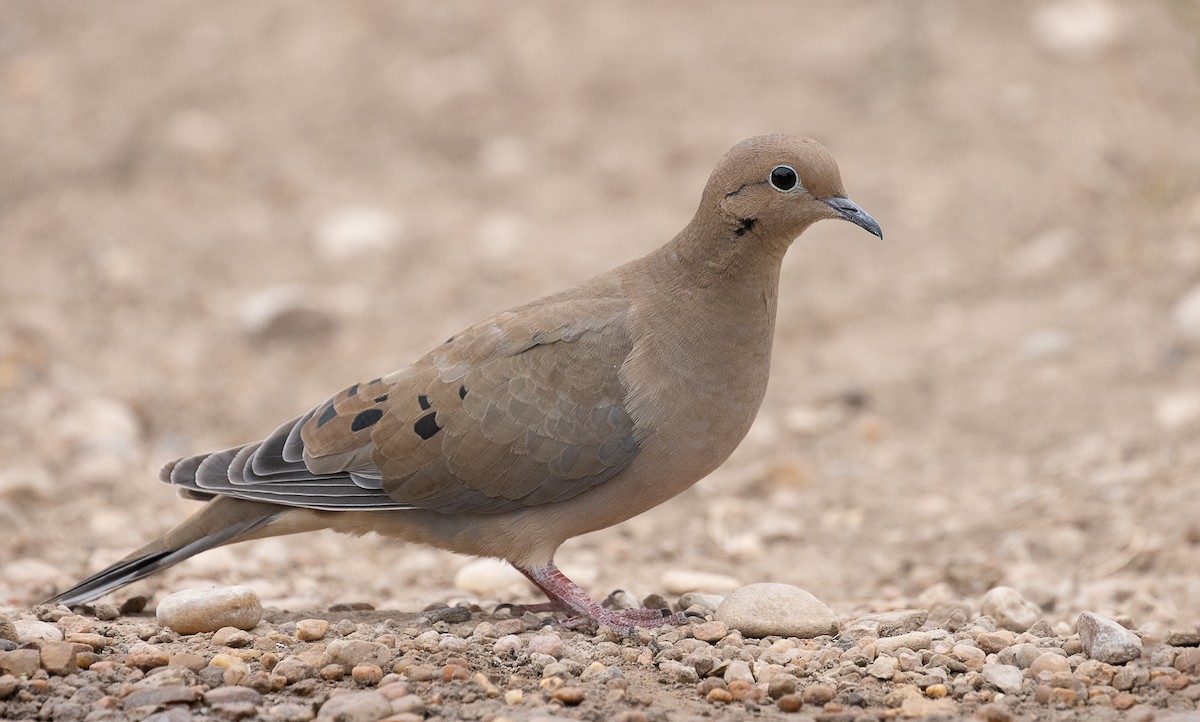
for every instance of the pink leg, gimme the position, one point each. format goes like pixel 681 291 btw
pixel 568 595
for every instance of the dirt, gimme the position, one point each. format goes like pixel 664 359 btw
pixel 999 393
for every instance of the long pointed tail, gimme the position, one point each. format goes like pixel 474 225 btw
pixel 222 521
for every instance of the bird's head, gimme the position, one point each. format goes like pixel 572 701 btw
pixel 772 187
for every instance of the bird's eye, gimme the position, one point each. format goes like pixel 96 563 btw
pixel 783 178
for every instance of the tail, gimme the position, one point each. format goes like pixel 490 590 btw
pixel 223 520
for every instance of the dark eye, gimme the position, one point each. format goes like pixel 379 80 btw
pixel 784 178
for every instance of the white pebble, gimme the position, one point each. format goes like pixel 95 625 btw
pixel 1177 410
pixel 355 230
pixel 1010 610
pixel 738 670
pixel 1187 315
pixel 765 609
pixel 1076 29
pixel 487 577
pixel 31 630
pixel 679 581
pixel 883 667
pixel 1004 677
pixel 208 609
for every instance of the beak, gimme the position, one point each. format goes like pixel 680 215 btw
pixel 850 211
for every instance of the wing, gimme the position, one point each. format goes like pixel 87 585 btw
pixel 524 409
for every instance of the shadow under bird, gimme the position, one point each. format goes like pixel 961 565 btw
pixel 565 415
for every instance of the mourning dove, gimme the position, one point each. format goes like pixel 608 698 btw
pixel 553 419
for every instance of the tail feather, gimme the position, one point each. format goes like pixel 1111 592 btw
pixel 222 521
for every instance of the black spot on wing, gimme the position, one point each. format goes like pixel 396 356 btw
pixel 427 426
pixel 365 419
pixel 423 400
pixel 352 391
pixel 326 416
pixel 381 399
pixel 462 392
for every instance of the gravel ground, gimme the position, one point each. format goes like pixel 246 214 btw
pixel 212 215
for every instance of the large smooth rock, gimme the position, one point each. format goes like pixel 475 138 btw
pixel 766 609
pixel 208 609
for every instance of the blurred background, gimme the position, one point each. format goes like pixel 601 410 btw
pixel 214 215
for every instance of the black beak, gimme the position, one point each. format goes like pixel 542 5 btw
pixel 850 211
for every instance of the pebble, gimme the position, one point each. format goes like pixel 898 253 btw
pixel 293 669
pixel 1187 315
pixel 680 581
pixel 310 630
pixel 8 630
pixel 158 696
pixel 710 631
pixel 789 703
pixel 885 624
pixel 1005 677
pixel 32 630
pixel 1050 663
pixel 367 675
pixel 350 653
pixel 488 578
pixel 570 696
pixel 20 662
pixel 818 694
pixel 232 637
pixel 285 312
pixel 883 667
pixel 232 695
pixel 547 643
pixel 146 657
pixel 992 642
pixel 915 641
pixel 58 658
pixel 355 707
pixel 1106 641
pixel 355 231
pixel 770 609
pixel 708 602
pixel 1177 410
pixel 191 611
pixel 738 671
pixel 1010 610
pixel 1077 30
pixel 1175 637
pixel 509 644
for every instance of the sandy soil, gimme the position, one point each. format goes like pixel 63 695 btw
pixel 999 393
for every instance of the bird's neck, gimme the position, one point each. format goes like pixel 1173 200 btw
pixel 705 289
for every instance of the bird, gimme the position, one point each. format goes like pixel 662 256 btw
pixel 552 419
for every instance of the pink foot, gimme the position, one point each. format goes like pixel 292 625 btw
pixel 566 595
